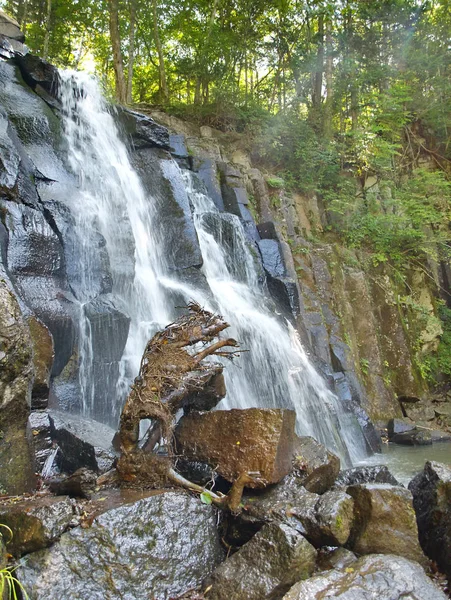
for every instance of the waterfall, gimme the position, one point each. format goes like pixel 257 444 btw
pixel 109 198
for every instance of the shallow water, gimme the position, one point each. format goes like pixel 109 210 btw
pixel 405 462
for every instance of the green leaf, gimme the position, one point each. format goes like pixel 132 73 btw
pixel 205 498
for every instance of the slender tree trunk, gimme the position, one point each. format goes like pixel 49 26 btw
pixel 22 15
pixel 161 68
pixel 48 16
pixel 118 63
pixel 329 82
pixel 131 50
pixel 201 53
pixel 318 79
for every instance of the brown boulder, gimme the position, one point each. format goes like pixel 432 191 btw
pixel 16 377
pixel 36 523
pixel 237 441
pixel 384 521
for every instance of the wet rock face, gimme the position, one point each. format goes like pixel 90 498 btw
pixel 158 547
pixel 374 577
pixel 43 355
pixel 16 377
pixel 315 466
pixel 36 523
pixel 431 492
pixel 384 522
pixel 82 443
pixel 371 474
pixel 236 441
pixel 10 28
pixel 275 558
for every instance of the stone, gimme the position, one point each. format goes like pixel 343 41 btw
pixel 39 74
pixel 158 547
pixel 43 355
pixel 82 443
pixel 334 517
pixel 415 437
pixel 10 28
pixel 431 490
pixel 36 522
pixel 236 441
pixel 396 426
pixel 81 484
pixel 384 521
pixel 315 466
pixel 442 409
pixel 375 577
pixel 420 412
pixel 334 558
pixel 16 378
pixel 369 474
pixel 208 174
pixel 267 566
pixel 143 130
pixel 272 258
pixel 41 434
pixel 177 146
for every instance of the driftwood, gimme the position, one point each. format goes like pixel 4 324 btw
pixel 171 378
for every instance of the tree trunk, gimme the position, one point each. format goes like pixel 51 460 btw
pixel 161 68
pixel 318 79
pixel 131 50
pixel 329 82
pixel 201 53
pixel 118 63
pixel 45 52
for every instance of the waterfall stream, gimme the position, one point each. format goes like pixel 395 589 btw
pixel 111 200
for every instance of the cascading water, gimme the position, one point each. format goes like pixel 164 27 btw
pixel 111 200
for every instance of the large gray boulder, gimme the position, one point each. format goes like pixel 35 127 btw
pixel 158 547
pixel 315 466
pixel 16 378
pixel 375 577
pixel 267 566
pixel 431 490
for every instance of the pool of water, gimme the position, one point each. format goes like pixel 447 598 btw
pixel 405 462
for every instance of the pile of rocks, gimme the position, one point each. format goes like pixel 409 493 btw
pixel 313 532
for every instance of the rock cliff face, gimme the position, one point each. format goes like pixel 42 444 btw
pixel 365 341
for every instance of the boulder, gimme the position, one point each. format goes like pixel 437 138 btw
pixel 41 434
pixel 431 490
pixel 143 130
pixel 315 466
pixel 334 558
pixel 81 484
pixel 208 174
pixel 323 520
pixel 40 75
pixel 10 28
pixel 375 577
pixel 236 441
pixel 36 522
pixel 267 566
pixel 398 426
pixel 158 547
pixel 384 521
pixel 82 443
pixel 16 378
pixel 369 474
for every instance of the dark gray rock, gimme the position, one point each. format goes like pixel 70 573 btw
pixel 176 235
pixel 81 484
pixel 268 565
pixel 39 74
pixel 370 474
pixel 82 443
pixel 375 577
pixel 177 146
pixel 315 466
pixel 195 471
pixel 384 521
pixel 144 131
pixel 160 546
pixel 36 522
pixel 208 174
pixel 272 258
pixel 397 426
pixel 41 434
pixel 431 490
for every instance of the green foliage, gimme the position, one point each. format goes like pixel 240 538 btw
pixel 438 362
pixel 8 583
pixel 364 366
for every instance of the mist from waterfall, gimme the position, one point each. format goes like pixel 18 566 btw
pixel 275 372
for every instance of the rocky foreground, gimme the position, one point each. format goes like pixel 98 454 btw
pixel 317 533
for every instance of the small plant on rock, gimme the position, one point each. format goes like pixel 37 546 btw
pixel 9 585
